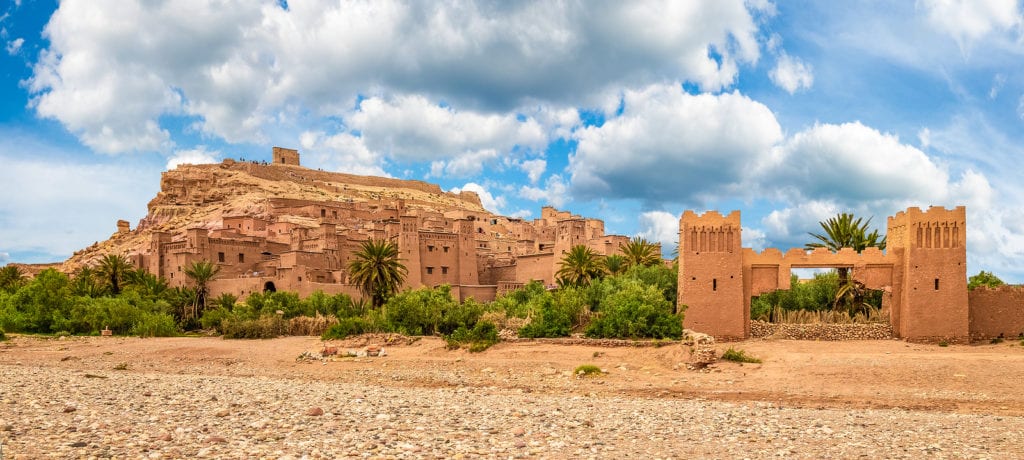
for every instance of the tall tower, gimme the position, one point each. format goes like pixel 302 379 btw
pixel 467 268
pixel 932 247
pixel 409 249
pixel 711 275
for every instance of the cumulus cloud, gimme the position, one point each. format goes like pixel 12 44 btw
pixel 554 193
pixel 792 74
pixel 671 146
pixel 534 168
pixel 113 69
pixel 489 201
pixel 660 226
pixel 196 156
pixel 967 21
pixel 4 258
pixel 342 152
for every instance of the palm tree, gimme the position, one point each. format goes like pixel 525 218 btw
pixel 639 251
pixel 85 283
pixel 200 273
pixel 615 264
pixel 377 270
pixel 113 269
pixel 845 231
pixel 11 278
pixel 579 266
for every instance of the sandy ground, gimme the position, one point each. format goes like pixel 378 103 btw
pixel 845 379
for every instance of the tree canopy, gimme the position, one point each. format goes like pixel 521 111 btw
pixel 378 271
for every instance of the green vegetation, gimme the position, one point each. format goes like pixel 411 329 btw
pixel 585 370
pixel 983 278
pixel 3 336
pixel 739 356
pixel 640 252
pixel 636 302
pixel 822 296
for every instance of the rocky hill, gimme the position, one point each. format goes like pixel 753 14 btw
pixel 202 195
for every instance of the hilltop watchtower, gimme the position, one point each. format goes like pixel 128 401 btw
pixel 283 156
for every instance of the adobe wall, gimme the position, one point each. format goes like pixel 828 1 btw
pixel 479 293
pixel 996 312
pixel 536 267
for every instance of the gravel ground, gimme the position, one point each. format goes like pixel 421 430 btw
pixel 50 412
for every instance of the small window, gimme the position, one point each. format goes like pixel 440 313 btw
pixel 335 213
pixel 446 249
pixel 430 249
pixel 936 284
pixel 430 270
pixel 714 284
pixel 241 257
pixel 323 213
pixel 220 257
pixel 444 270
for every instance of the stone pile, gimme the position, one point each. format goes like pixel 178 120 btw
pixel 702 349
pixel 821 331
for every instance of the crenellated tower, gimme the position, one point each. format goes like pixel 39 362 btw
pixel 932 247
pixel 710 274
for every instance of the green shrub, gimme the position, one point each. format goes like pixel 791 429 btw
pixel 418 312
pixel 548 320
pixel 214 319
pixel 464 315
pixel 2 335
pixel 585 370
pixel 983 278
pixel 481 337
pixel 155 325
pixel 347 327
pixel 517 304
pixel 264 327
pixel 943 343
pixel 636 310
pixel 739 356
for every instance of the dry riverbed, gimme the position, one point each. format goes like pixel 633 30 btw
pixel 212 398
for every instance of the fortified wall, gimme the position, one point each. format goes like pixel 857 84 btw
pixel 923 274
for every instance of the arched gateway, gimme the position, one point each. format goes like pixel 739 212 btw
pixel 923 273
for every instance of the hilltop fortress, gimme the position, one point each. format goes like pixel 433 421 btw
pixel 280 226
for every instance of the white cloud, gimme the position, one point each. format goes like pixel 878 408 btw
pixel 792 74
pixel 14 46
pixel 967 21
pixel 4 258
pixel 113 69
pixel 490 202
pixel 852 162
pixel 660 226
pixel 534 168
pixel 196 156
pixel 341 152
pixel 555 192
pixel 668 145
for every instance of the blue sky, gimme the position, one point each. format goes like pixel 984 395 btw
pixel 627 111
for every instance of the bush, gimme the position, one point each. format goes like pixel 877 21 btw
pixel 548 320
pixel 517 304
pixel 418 312
pixel 586 370
pixel 347 327
pixel 214 319
pixel 458 316
pixel 155 325
pixel 481 337
pixel 311 325
pixel 2 335
pixel 983 278
pixel 264 327
pixel 739 356
pixel 636 310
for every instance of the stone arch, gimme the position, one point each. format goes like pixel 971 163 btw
pixel 269 287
